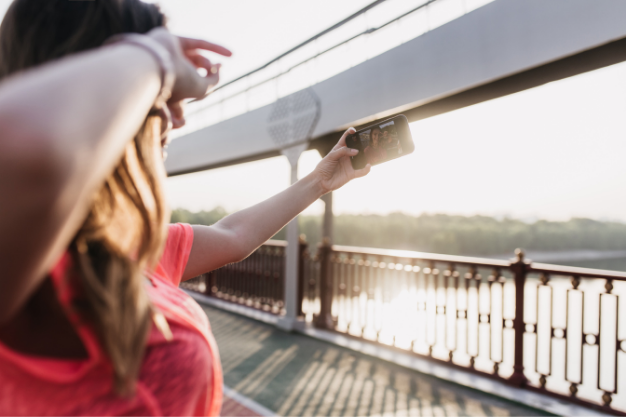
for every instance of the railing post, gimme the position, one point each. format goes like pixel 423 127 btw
pixel 302 253
pixel 209 283
pixel 520 269
pixel 325 320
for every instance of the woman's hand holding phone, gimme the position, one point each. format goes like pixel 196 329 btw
pixel 335 170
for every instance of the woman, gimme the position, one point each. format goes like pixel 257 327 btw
pixel 391 144
pixel 91 319
pixel 375 153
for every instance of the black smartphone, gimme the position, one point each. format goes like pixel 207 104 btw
pixel 382 142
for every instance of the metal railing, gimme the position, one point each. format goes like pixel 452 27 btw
pixel 257 282
pixel 547 328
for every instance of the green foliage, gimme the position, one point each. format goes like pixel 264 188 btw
pixel 457 235
pixel 202 217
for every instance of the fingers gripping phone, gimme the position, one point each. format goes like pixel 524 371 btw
pixel 382 142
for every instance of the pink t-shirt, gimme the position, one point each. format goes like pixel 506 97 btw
pixel 178 377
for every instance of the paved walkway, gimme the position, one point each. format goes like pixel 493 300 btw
pixel 295 375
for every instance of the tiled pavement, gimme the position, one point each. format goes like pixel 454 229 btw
pixel 294 375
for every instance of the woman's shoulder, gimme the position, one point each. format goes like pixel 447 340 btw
pixel 176 252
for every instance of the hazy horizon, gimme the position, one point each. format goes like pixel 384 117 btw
pixel 498 217
pixel 553 152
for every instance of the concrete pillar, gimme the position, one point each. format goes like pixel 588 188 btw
pixel 324 320
pixel 289 321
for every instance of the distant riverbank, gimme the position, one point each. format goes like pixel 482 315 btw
pixel 576 242
pixel 611 259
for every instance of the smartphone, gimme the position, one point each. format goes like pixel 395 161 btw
pixel 382 142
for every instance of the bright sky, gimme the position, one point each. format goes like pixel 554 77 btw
pixel 553 152
pixel 255 31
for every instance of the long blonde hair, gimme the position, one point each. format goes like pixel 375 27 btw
pixel 125 230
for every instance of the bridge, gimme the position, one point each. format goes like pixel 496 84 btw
pixel 501 48
pixel 433 57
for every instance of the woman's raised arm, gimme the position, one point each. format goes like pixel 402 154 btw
pixel 63 128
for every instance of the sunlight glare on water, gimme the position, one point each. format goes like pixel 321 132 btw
pixel 438 317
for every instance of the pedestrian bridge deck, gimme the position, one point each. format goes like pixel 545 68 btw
pixel 292 374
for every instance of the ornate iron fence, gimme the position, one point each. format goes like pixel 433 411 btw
pixel 550 329
pixel 257 281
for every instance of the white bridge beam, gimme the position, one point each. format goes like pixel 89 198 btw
pixel 496 41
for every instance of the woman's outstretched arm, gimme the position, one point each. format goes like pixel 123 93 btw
pixel 236 236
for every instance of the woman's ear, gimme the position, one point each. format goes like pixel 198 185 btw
pixel 178 114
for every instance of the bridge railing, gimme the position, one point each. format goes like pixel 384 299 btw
pixel 547 328
pixel 258 281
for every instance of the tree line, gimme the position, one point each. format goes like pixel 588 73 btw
pixel 449 234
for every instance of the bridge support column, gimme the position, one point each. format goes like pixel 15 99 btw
pixel 324 320
pixel 290 320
